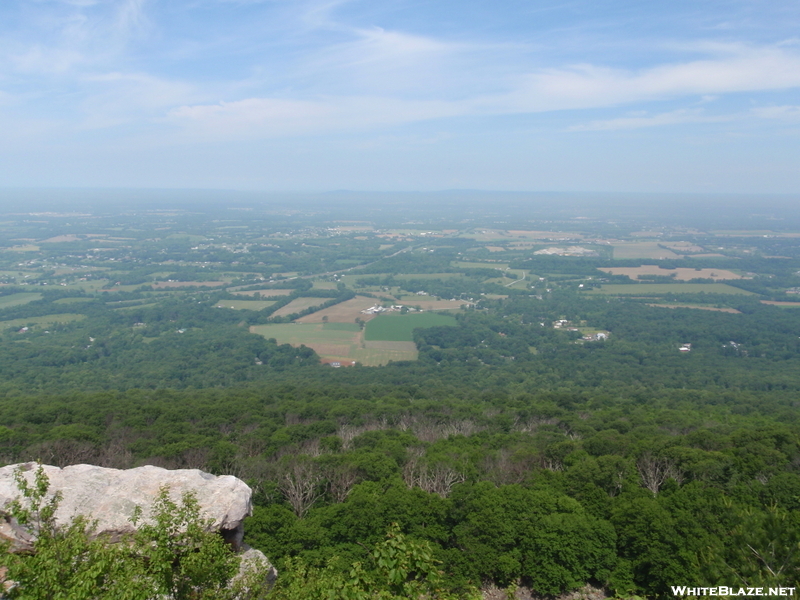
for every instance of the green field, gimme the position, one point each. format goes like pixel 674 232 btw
pixel 72 300
pixel 308 333
pixel 245 304
pixel 428 275
pixel 479 265
pixel 136 307
pixel 324 285
pixel 352 327
pixel 370 357
pixel 658 289
pixel 43 320
pixel 398 328
pixel 17 299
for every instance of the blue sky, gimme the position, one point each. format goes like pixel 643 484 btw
pixel 679 96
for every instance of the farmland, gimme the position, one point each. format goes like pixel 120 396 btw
pixel 642 250
pixel 344 312
pixel 347 342
pixel 646 289
pixel 699 307
pixel 336 342
pixel 782 304
pixel 165 285
pixel 297 305
pixel 679 274
pixel 266 293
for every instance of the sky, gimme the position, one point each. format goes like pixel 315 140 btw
pixel 687 96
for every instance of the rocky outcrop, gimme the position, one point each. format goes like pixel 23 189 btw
pixel 109 497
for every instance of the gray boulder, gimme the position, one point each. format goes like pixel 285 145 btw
pixel 109 497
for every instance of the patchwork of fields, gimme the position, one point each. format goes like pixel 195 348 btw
pixel 385 338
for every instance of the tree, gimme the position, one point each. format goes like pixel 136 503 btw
pixel 763 549
pixel 300 485
pixel 655 471
pixel 397 569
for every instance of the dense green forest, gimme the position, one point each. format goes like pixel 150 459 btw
pixel 557 435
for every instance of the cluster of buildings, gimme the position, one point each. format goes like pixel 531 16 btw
pixel 377 309
pixel 596 337
pixel 589 337
pixel 569 251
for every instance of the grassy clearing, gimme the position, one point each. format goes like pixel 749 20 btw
pixel 306 333
pixel 398 328
pixel 428 275
pixel 21 273
pixel 72 300
pixel 263 293
pixel 136 307
pixel 479 265
pixel 648 289
pixel 325 285
pixel 245 304
pixel 376 358
pixel 41 321
pixel 18 299
pixel 351 327
pixel 781 304
pixel 93 285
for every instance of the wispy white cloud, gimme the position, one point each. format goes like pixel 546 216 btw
pixel 783 113
pixel 122 98
pixel 271 117
pixel 131 15
pixel 589 86
pixel 43 60
pixel 675 117
pixel 579 87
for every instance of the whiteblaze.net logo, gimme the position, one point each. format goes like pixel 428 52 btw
pixel 722 590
